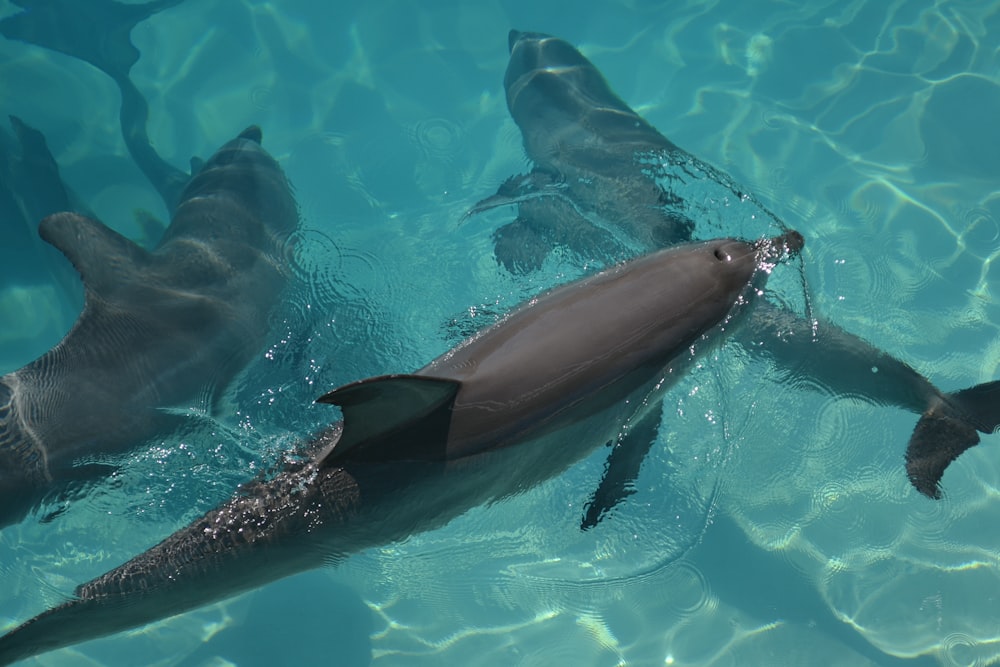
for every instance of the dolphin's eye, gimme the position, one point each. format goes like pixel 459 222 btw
pixel 721 256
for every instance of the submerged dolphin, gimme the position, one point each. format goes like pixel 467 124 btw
pixel 99 32
pixel 586 145
pixel 163 328
pixel 602 172
pixel 493 417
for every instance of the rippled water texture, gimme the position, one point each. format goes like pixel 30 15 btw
pixel 771 524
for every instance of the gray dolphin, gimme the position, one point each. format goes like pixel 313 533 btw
pixel 163 328
pixel 586 146
pixel 603 177
pixel 492 417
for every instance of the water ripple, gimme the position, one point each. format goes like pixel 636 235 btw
pixel 829 430
pixel 262 97
pixel 863 210
pixel 832 499
pixel 775 120
pixel 317 261
pixel 438 138
pixel 689 589
pixel 960 650
pixel 980 230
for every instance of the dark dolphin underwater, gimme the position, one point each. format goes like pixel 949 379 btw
pixel 169 327
pixel 416 450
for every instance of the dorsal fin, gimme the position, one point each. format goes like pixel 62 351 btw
pixel 102 256
pixel 393 418
pixel 252 133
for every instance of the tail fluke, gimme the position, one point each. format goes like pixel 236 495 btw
pixel 937 441
pixel 947 430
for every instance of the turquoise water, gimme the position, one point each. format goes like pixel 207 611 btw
pixel 870 127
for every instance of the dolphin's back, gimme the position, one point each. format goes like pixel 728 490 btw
pixel 244 176
pixel 558 362
pixel 579 340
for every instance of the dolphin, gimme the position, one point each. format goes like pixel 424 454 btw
pixel 604 179
pixel 98 32
pixel 494 416
pixel 159 329
pixel 587 146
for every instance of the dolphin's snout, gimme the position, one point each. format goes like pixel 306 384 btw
pixel 787 245
pixel 764 250
pixel 792 241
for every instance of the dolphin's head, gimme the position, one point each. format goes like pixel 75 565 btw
pixel 735 268
pixel 240 171
pixel 532 52
pixel 741 262
pixel 745 267
pixel 541 79
pixel 557 97
pixel 548 72
pixel 744 257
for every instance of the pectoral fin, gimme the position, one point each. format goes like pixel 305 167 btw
pixel 622 468
pixel 518 188
pixel 393 418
